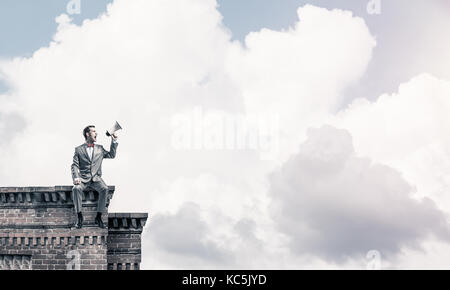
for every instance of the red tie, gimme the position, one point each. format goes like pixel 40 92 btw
pixel 90 145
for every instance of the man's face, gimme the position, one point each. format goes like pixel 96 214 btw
pixel 92 135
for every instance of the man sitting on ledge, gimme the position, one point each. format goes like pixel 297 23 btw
pixel 87 172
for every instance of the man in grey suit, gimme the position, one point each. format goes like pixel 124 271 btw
pixel 87 172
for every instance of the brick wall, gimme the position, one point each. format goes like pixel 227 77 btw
pixel 44 206
pixel 124 240
pixel 37 232
pixel 58 251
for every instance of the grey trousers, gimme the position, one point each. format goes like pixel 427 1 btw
pixel 99 186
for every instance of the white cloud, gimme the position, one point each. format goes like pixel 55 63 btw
pixel 337 206
pixel 144 61
pixel 300 73
pixel 407 131
pixel 10 125
pixel 183 240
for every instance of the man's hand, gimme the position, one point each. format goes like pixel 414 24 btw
pixel 77 181
pixel 114 136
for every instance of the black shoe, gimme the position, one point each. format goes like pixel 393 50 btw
pixel 99 222
pixel 79 223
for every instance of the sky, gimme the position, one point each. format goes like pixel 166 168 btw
pixel 257 134
pixel 395 27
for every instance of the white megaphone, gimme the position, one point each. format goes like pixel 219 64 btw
pixel 114 129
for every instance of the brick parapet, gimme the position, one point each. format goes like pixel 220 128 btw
pixel 46 197
pixel 124 240
pixel 36 231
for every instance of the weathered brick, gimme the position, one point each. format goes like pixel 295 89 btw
pixel 40 219
pixel 60 267
pixel 40 267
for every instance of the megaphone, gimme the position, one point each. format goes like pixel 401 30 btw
pixel 114 129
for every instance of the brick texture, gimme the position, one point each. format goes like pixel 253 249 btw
pixel 36 232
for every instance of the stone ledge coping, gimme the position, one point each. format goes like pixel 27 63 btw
pixel 53 240
pixel 91 231
pixel 56 188
pixel 127 221
pixel 38 196
pixel 128 215
pixel 36 226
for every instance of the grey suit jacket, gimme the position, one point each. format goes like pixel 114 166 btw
pixel 87 170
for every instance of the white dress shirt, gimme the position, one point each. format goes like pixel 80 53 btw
pixel 90 150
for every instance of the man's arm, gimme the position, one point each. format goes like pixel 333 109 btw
pixel 75 167
pixel 112 151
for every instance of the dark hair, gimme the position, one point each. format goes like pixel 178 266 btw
pixel 87 130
